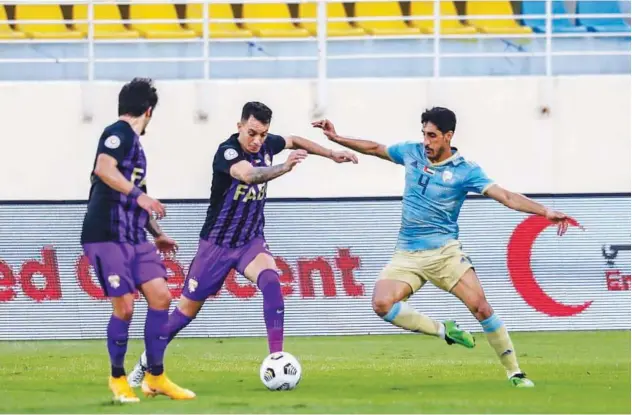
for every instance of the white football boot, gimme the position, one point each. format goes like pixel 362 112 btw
pixel 136 376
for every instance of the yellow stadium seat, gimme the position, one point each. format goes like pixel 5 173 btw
pixel 216 29
pixel 384 27
pixel 107 30
pixel 170 30
pixel 334 10
pixel 55 30
pixel 447 9
pixel 5 30
pixel 497 25
pixel 272 29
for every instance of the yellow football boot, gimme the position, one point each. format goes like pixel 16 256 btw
pixel 161 385
pixel 123 393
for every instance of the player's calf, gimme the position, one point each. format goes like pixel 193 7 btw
pixel 156 336
pixel 118 336
pixel 178 320
pixel 470 292
pixel 118 333
pixel 499 339
pixel 273 308
pixel 388 296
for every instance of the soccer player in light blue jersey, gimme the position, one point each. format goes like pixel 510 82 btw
pixel 438 179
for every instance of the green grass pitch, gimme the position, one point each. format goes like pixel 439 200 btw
pixel 575 372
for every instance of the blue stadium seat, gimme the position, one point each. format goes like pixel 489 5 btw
pixel 602 24
pixel 559 25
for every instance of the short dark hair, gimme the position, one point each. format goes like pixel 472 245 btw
pixel 260 111
pixel 443 118
pixel 137 96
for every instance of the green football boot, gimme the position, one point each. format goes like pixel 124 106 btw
pixel 453 334
pixel 520 380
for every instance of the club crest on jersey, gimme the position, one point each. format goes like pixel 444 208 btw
pixel 114 280
pixel 267 160
pixel 192 285
pixel 112 142
pixel 447 176
pixel 429 171
pixel 230 154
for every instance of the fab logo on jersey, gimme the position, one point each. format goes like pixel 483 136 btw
pixel 253 192
pixel 138 177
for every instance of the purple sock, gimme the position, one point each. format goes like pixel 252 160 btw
pixel 273 308
pixel 156 339
pixel 177 321
pixel 117 344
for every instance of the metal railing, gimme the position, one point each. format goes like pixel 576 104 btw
pixel 437 54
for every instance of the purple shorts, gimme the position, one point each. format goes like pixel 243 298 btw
pixel 121 267
pixel 213 263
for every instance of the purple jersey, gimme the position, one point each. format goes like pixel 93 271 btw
pixel 111 215
pixel 235 215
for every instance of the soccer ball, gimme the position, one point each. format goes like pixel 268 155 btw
pixel 280 372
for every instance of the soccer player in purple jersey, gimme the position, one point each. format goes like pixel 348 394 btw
pixel 115 241
pixel 232 236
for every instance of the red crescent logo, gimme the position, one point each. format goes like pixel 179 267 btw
pixel 521 274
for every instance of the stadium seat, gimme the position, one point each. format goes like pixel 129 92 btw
pixel 505 26
pixel 216 30
pixel 171 30
pixel 384 27
pixel 559 25
pixel 602 24
pixel 5 30
pixel 334 29
pixel 107 30
pixel 448 27
pixel 272 29
pixel 54 30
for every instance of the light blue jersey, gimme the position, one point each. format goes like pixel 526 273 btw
pixel 433 195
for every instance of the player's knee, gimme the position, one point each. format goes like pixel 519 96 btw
pixel 268 281
pixel 382 305
pixel 124 311
pixel 189 307
pixel 164 299
pixel 482 309
pixel 160 300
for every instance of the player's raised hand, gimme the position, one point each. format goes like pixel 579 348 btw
pixel 561 219
pixel 328 128
pixel 166 245
pixel 295 158
pixel 344 157
pixel 152 206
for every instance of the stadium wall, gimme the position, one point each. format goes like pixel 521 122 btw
pixel 580 143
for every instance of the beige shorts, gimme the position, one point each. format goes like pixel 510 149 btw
pixel 443 267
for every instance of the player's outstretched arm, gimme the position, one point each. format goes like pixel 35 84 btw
pixel 249 174
pixel 300 143
pixel 521 203
pixel 107 171
pixel 367 147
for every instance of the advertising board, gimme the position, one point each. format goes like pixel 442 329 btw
pixel 329 253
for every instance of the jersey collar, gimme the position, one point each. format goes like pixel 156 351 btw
pixel 455 158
